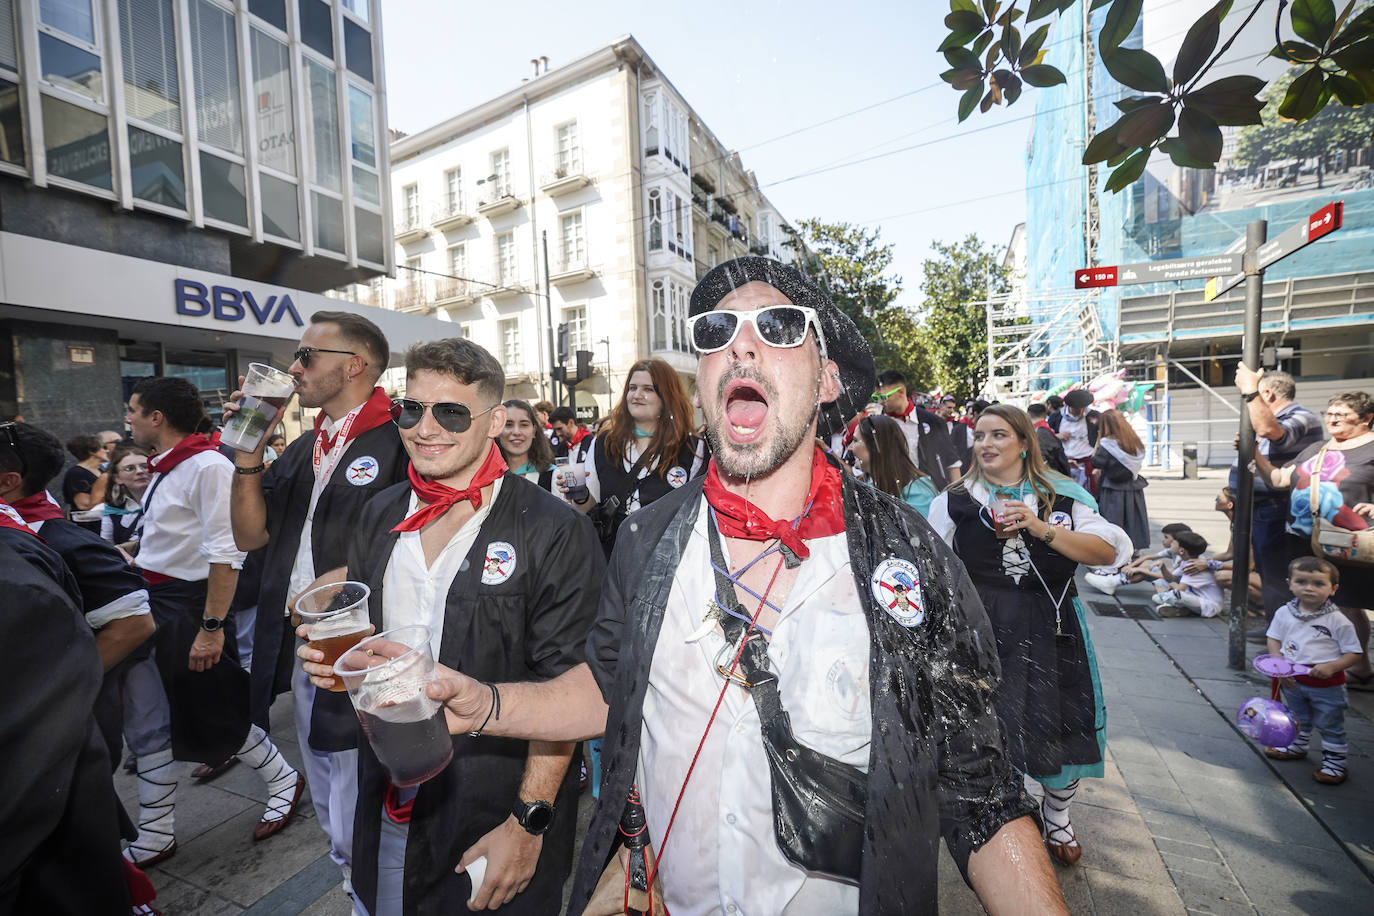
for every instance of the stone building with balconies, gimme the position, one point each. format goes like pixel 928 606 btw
pixel 590 195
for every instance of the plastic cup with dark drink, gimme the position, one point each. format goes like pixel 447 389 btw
pixel 386 676
pixel 337 617
pixel 265 390
pixel 1001 521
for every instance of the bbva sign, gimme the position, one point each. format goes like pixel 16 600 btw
pixel 229 304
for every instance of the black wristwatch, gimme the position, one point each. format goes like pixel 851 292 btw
pixel 535 816
pixel 1247 398
pixel 211 624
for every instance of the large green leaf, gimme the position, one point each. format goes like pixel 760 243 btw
pixel 1230 101
pixel 1296 52
pixel 1357 56
pixel 981 44
pixel 1199 43
pixel 1032 46
pixel 1120 22
pixel 1347 90
pixel 1145 125
pixel 1104 146
pixel 961 58
pixel 1183 157
pixel 965 5
pixel 1359 27
pixel 1201 136
pixel 1011 42
pixel 1129 171
pixel 965 79
pixel 1042 76
pixel 1009 83
pixel 1137 69
pixel 1039 9
pixel 1314 20
pixel 965 21
pixel 969 100
pixel 1134 102
pixel 1304 96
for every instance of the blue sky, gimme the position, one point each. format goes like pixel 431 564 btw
pixel 753 72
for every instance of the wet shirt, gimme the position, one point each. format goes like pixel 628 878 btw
pixel 722 856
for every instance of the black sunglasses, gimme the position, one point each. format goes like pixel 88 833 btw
pixel 7 437
pixel 456 418
pixel 305 354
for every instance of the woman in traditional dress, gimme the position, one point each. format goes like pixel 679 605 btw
pixel 524 446
pixel 1120 487
pixel 881 453
pixel 1021 554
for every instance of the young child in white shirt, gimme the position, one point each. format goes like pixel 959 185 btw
pixel 1180 593
pixel 1310 630
pixel 1141 568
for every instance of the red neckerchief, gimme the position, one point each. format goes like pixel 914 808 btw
pixel 37 507
pixel 1043 424
pixel 12 519
pixel 193 444
pixel 442 497
pixel 375 411
pixel 582 433
pixel 910 409
pixel 823 515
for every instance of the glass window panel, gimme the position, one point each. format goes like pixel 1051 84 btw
pixel 273 11
pixel 272 88
pixel 216 63
pixel 222 187
pixel 329 222
pixel 75 17
pixel 371 239
pixel 326 167
pixel 70 67
pixel 152 89
pixel 11 125
pixel 357 8
pixel 317 27
pixel 155 167
pixel 361 129
pixel 78 145
pixel 9 51
pixel 365 186
pixel 281 214
pixel 358 49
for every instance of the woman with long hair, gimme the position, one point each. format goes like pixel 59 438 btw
pixel 881 453
pixel 1021 531
pixel 524 445
pixel 644 450
pixel 126 479
pixel 1120 487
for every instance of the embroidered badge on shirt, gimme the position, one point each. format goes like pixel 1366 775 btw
pixel 1061 520
pixel 845 688
pixel 897 587
pixel 677 476
pixel 499 564
pixel 362 471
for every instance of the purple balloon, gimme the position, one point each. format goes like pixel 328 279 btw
pixel 1267 721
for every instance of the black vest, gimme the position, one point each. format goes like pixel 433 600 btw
pixel 616 480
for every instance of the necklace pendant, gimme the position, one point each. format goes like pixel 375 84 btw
pixel 708 623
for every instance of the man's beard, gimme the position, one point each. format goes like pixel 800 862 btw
pixel 753 460
pixel 323 388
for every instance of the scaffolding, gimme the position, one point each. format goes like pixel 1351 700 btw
pixel 1038 342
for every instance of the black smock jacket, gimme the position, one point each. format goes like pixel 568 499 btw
pixel 530 626
pixel 58 810
pixel 286 487
pixel 936 766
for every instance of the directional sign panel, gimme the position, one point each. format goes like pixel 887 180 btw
pixel 1089 277
pixel 1323 222
pixel 1178 269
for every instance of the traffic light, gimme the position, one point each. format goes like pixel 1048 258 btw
pixel 563 343
pixel 584 365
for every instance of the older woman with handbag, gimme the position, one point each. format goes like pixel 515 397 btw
pixel 1331 507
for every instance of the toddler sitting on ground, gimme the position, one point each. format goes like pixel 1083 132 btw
pixel 1182 592
pixel 1140 569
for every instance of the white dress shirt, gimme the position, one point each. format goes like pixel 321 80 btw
pixel 303 571
pixel 414 592
pixel 186 519
pixel 1076 446
pixel 722 857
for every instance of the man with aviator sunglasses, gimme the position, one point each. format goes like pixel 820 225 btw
pixel 299 514
pixel 843 599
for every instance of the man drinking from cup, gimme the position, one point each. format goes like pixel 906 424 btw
pixel 505 577
pixel 300 512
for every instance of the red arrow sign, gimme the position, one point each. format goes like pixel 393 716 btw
pixel 1325 220
pixel 1094 276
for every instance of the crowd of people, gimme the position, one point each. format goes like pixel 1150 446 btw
pixel 730 615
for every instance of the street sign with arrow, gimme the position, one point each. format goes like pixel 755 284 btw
pixel 1323 222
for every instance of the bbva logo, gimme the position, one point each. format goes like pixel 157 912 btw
pixel 228 304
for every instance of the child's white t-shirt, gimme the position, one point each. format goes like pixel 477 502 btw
pixel 1202 584
pixel 1324 638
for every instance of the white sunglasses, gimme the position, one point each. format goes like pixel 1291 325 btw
pixel 776 325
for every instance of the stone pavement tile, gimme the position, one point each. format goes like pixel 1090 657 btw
pixel 1169 804
pixel 1118 842
pixel 1207 852
pixel 1183 828
pixel 1283 876
pixel 177 898
pixel 1218 758
pixel 1199 719
pixel 1205 897
pixel 1146 658
pixel 301 890
pixel 1211 870
pixel 1119 894
pixel 1261 811
pixel 1131 746
pixel 228 862
pixel 1104 793
pixel 1073 882
pixel 1160 686
pixel 199 808
pixel 334 903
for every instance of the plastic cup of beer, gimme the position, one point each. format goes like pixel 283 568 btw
pixel 386 676
pixel 1001 522
pixel 265 390
pixel 337 617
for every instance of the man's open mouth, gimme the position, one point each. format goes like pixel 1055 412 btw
pixel 746 409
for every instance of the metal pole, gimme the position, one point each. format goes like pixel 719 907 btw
pixel 1255 234
pixel 548 305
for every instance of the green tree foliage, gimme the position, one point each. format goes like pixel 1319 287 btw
pixel 1275 139
pixel 955 328
pixel 990 61
pixel 852 264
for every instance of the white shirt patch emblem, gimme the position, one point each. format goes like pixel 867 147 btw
pixel 499 564
pixel 362 471
pixel 897 587
pixel 677 476
pixel 1061 520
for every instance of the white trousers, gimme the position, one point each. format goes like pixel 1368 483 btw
pixel 333 777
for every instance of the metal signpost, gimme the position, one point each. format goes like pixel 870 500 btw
pixel 1225 271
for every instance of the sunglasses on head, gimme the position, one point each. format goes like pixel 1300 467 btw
pixel 456 418
pixel 776 325
pixel 8 438
pixel 305 354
